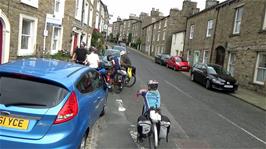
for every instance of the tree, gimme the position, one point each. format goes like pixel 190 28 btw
pixel 129 38
pixel 138 43
pixel 97 40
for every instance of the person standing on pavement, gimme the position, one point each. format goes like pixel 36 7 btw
pixel 79 55
pixel 92 59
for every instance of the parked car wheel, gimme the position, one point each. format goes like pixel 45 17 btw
pixel 103 111
pixel 192 77
pixel 208 84
pixel 167 66
pixel 174 68
pixel 83 142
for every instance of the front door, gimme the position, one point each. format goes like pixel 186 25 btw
pixel 220 54
pixel 75 43
pixel 1 41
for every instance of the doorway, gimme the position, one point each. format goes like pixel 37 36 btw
pixel 220 55
pixel 75 43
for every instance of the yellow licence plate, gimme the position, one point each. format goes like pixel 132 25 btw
pixel 12 122
pixel 129 71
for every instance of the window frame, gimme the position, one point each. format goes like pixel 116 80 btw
pixel 230 64
pixel 237 11
pixel 209 28
pixel 81 81
pixel 59 40
pixel 32 42
pixel 256 69
pixel 204 55
pixel 191 31
pixel 264 20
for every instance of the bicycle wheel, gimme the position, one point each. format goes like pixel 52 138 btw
pixel 130 81
pixel 155 135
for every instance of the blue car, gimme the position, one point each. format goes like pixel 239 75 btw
pixel 48 103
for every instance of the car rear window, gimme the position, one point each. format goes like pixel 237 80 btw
pixel 28 92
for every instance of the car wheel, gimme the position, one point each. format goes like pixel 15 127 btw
pixel 167 66
pixel 161 62
pixel 208 84
pixel 83 142
pixel 192 77
pixel 103 111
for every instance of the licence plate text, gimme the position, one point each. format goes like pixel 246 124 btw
pixel 12 122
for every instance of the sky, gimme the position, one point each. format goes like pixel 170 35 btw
pixel 123 8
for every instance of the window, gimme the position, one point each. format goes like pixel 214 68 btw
pixel 56 40
pixel 78 10
pixel 59 6
pixel 209 28
pixel 27 35
pixel 264 23
pixel 90 19
pixel 158 37
pixel 191 33
pixel 205 56
pixel 160 24
pixel 86 13
pixel 85 84
pixel 33 3
pixel 231 63
pixel 165 23
pixel 23 89
pixel 56 6
pixel 164 35
pixel 260 72
pixel 237 21
pixel 97 81
pixel 97 21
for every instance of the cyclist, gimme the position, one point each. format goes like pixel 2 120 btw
pixel 125 61
pixel 92 59
pixel 151 96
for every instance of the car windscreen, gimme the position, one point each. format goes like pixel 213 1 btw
pixel 211 70
pixel 112 52
pixel 32 93
pixel 119 48
pixel 178 59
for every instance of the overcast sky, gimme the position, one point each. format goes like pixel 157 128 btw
pixel 123 8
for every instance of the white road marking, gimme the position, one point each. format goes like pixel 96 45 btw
pixel 121 107
pixel 220 115
pixel 186 94
pixel 174 123
pixel 249 133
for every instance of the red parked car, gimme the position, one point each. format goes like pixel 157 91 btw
pixel 177 63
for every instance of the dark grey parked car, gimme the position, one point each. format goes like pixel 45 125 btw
pixel 213 76
pixel 161 58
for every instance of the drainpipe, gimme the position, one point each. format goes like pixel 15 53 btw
pixel 214 34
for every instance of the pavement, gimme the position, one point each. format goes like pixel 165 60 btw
pixel 243 94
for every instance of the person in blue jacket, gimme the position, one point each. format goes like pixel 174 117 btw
pixel 151 96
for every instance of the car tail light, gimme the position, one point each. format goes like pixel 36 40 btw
pixel 69 110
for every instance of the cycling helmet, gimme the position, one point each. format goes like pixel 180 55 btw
pixel 153 85
pixel 109 57
pixel 122 52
